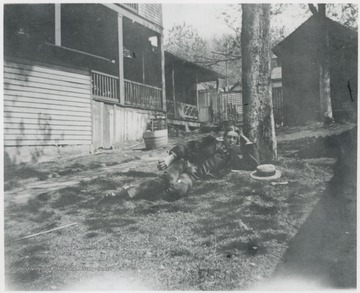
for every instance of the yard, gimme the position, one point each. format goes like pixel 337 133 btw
pixel 228 234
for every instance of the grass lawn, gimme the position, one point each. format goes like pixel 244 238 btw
pixel 228 234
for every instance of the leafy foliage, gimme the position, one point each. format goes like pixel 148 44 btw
pixel 346 14
pixel 184 41
pixel 227 56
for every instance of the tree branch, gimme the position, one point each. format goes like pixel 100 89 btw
pixel 226 54
pixel 215 61
pixel 313 9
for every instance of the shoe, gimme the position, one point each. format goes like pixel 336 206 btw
pixel 175 191
pixel 128 191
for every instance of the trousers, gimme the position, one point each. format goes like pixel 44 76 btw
pixel 173 184
pixel 179 177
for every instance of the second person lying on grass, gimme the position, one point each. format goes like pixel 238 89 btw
pixel 193 160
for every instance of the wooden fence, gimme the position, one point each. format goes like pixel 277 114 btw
pixel 278 105
pixel 217 107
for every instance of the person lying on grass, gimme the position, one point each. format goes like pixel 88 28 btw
pixel 193 160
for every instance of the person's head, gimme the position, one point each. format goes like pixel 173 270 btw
pixel 231 135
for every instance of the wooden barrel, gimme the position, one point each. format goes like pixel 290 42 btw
pixel 156 139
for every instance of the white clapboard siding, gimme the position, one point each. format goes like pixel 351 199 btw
pixel 28 65
pixel 46 130
pixel 31 89
pixel 46 105
pixel 54 122
pixel 43 104
pixel 48 75
pixel 45 136
pixel 37 142
pixel 42 85
pixel 49 80
pixel 11 116
pixel 39 97
pixel 62 110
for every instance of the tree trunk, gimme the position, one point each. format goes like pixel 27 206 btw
pixel 256 80
pixel 324 69
pixel 324 83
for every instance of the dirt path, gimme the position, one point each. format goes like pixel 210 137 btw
pixel 134 155
pixel 35 187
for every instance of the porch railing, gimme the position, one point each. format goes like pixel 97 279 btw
pixel 182 110
pixel 141 95
pixel 105 85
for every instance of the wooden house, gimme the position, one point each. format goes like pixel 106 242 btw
pixel 80 76
pixel 300 54
pixel 186 101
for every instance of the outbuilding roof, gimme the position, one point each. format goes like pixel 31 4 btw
pixel 204 74
pixel 309 31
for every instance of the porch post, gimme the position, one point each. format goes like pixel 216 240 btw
pixel 143 66
pixel 121 60
pixel 197 92
pixel 173 87
pixel 163 89
pixel 57 24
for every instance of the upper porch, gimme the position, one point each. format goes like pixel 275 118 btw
pixel 121 45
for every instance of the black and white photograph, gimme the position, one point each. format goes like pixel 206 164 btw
pixel 168 146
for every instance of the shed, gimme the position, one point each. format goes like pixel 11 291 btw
pixel 300 54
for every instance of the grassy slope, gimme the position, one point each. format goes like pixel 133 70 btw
pixel 228 234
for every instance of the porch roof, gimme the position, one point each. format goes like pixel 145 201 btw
pixel 204 74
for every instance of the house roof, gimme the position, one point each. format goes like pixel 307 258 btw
pixel 204 74
pixel 236 87
pixel 309 31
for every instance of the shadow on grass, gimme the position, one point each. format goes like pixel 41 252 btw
pixel 67 196
pixel 23 172
pixel 164 207
pixel 11 185
pixel 25 277
pixel 139 174
pixel 107 224
pixel 280 237
pixel 207 186
pixel 265 210
pixel 250 247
